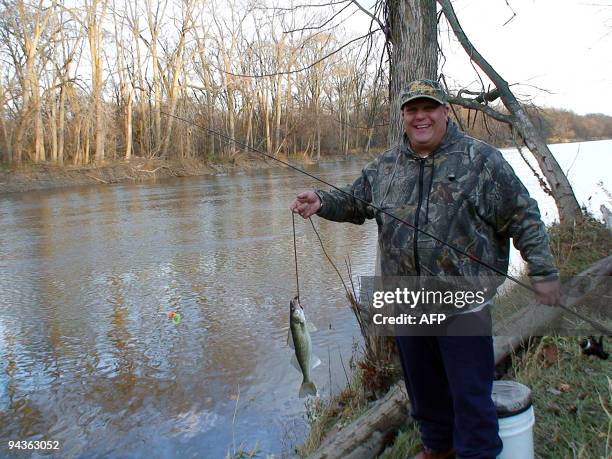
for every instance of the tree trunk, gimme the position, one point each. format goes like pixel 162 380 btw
pixel 153 21
pixel 86 142
pixel 19 134
pixel 277 100
pixel 94 35
pixel 39 141
pixel 141 108
pixel 7 141
pixel 414 52
pixel 53 128
pixel 265 111
pixel 317 104
pixel 176 67
pixel 249 128
pixel 128 123
pixel 61 131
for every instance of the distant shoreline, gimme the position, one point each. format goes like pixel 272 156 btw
pixel 47 176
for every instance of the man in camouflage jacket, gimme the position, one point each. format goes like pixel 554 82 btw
pixel 461 191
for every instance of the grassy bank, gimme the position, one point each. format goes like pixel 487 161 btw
pixel 572 393
pixel 572 399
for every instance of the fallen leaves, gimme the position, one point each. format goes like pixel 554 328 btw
pixel 548 355
pixel 564 387
pixel 552 407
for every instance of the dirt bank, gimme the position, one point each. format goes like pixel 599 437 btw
pixel 45 176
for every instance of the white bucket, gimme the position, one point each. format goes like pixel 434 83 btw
pixel 516 433
pixel 515 415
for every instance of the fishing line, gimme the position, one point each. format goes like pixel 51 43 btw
pixel 328 257
pixel 297 278
pixel 229 139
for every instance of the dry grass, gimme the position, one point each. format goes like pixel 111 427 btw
pixel 328 417
pixel 575 247
pixel 572 397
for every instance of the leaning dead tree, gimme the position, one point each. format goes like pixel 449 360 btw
pixel 567 205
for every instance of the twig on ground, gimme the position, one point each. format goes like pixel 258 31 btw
pixel 96 178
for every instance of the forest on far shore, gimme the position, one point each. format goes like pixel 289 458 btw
pixel 101 82
pixel 555 125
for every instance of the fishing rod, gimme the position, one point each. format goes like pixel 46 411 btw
pixel 229 139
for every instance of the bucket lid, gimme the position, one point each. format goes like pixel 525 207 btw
pixel 510 398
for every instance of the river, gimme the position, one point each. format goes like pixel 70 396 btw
pixel 89 357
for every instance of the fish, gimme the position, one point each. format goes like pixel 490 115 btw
pixel 299 339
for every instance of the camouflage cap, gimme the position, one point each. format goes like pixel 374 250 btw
pixel 423 88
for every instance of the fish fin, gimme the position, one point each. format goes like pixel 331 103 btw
pixel 308 388
pixel 311 327
pixel 290 339
pixel 295 363
pixel 314 361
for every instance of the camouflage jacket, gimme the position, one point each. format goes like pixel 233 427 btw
pixel 464 193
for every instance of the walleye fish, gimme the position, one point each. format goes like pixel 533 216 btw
pixel 299 339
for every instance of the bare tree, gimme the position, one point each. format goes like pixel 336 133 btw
pixel 24 34
pixel 155 13
pixel 126 87
pixel 95 12
pixel 65 54
pixel 174 66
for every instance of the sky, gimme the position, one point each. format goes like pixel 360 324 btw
pixel 562 46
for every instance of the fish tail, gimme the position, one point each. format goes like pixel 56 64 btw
pixel 308 388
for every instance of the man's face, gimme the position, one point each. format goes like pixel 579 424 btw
pixel 425 124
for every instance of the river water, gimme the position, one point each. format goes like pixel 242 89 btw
pixel 89 357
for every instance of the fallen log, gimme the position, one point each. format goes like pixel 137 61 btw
pixel 367 436
pixel 534 320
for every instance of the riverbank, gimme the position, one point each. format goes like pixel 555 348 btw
pixel 45 176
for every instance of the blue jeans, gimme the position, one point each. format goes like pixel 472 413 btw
pixel 449 380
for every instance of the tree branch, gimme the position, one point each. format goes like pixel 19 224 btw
pixel 306 5
pixel 374 18
pixel 320 26
pixel 473 104
pixel 482 96
pixel 511 17
pixel 289 72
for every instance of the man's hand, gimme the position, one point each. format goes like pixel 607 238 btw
pixel 548 292
pixel 306 204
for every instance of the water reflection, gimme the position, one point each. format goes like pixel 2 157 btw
pixel 88 354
